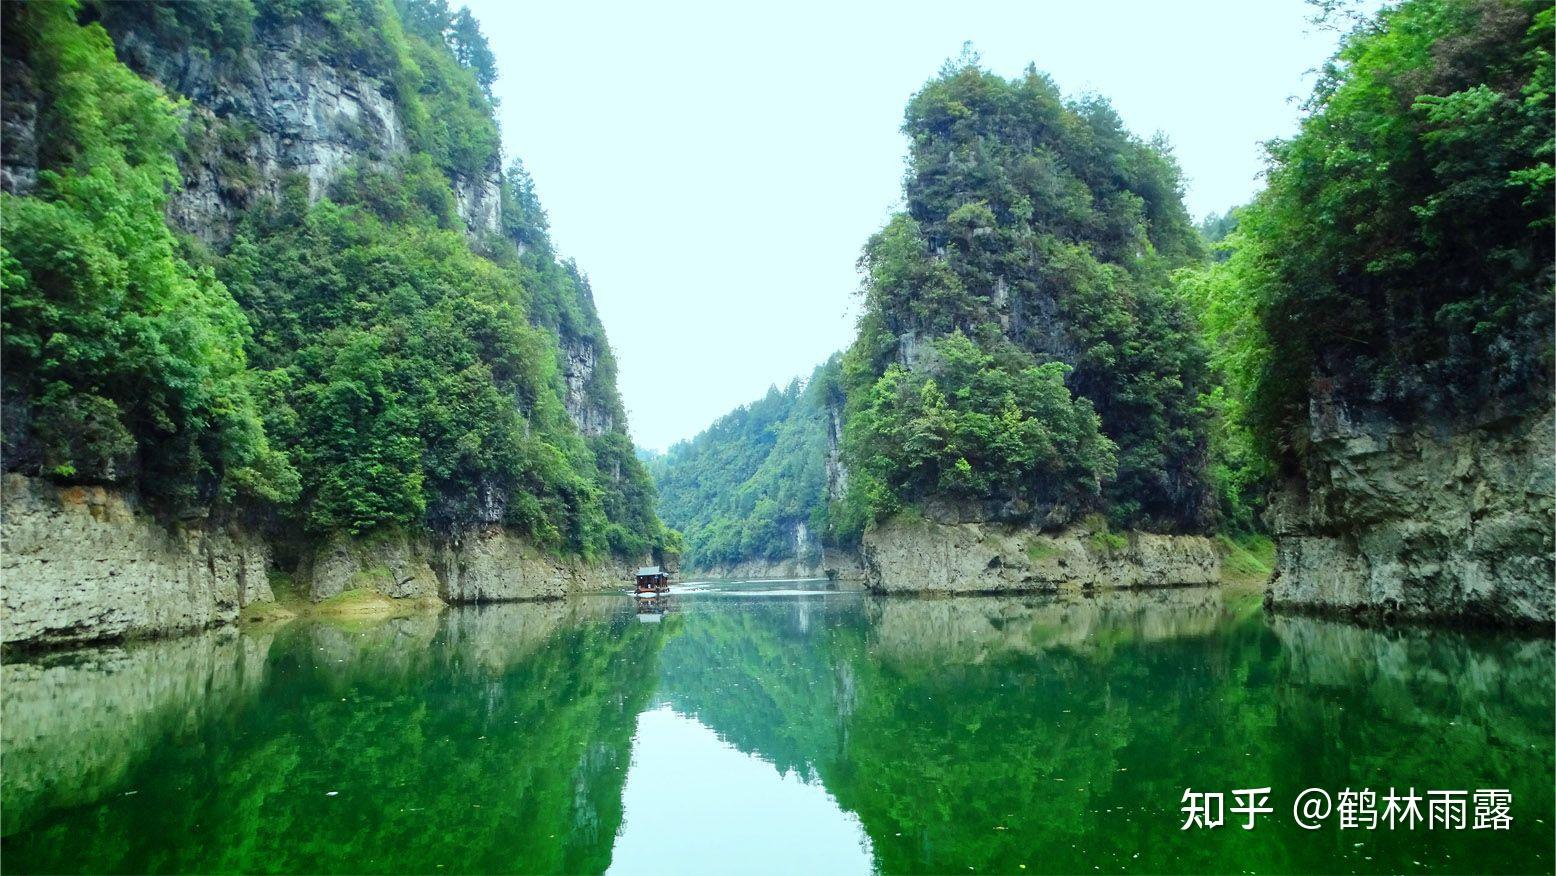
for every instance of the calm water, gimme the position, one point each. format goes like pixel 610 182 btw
pixel 773 728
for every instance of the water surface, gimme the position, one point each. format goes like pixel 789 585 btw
pixel 771 728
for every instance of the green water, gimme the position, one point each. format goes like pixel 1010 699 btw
pixel 773 728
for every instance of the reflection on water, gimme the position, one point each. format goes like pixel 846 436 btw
pixel 696 805
pixel 809 730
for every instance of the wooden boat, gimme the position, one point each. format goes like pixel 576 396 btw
pixel 652 581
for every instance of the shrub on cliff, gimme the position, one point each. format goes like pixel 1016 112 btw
pixel 981 428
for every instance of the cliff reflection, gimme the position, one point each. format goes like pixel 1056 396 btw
pixel 977 628
pixel 73 723
pixel 491 740
pixel 1060 733
pixel 984 733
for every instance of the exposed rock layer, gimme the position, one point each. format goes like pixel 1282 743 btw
pixel 1420 523
pixel 87 563
pixel 84 563
pixel 299 113
pixel 484 565
pixel 922 556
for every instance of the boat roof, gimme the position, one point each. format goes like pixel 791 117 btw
pixel 650 570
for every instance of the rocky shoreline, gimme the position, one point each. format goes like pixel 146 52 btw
pixel 921 556
pixel 1441 525
pixel 88 564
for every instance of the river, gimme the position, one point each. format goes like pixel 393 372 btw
pixel 783 728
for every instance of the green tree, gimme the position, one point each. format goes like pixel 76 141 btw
pixel 125 361
pixel 1401 257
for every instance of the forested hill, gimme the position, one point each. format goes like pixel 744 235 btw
pixel 755 485
pixel 1022 355
pixel 262 259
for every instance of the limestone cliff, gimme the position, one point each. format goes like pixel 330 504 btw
pixel 289 103
pixel 905 556
pixel 1434 521
pixel 280 107
pixel 488 564
pixel 277 107
pixel 283 104
pixel 85 563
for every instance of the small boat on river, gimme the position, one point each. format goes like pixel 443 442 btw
pixel 652 581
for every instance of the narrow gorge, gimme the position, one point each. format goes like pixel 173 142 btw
pixel 343 251
pixel 281 327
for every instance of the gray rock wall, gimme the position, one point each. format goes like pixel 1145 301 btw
pixel 394 564
pixel 1422 523
pixel 906 556
pixel 488 564
pixel 493 565
pixel 80 564
pixel 86 563
pixel 580 359
pixel 297 112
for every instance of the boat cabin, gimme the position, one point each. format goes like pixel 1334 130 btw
pixel 652 579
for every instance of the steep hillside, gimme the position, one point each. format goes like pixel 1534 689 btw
pixel 1384 319
pixel 1021 357
pixel 279 279
pixel 750 494
pixel 1023 362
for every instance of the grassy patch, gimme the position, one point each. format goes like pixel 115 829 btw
pixel 282 585
pixel 1040 549
pixel 1246 557
pixel 1102 540
pixel 366 578
pixel 365 602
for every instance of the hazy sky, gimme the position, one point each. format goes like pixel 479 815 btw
pixel 716 167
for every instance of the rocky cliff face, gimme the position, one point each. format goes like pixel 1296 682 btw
pixel 581 359
pixel 277 108
pixel 1425 522
pixel 296 101
pixel 906 556
pixel 488 564
pixel 85 563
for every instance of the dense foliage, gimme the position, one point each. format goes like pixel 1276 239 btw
pixel 741 489
pixel 973 427
pixel 123 363
pixel 384 369
pixel 1401 257
pixel 1045 233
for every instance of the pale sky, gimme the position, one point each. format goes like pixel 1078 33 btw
pixel 716 167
